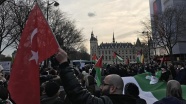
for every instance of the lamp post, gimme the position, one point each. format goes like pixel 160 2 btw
pixel 48 5
pixel 147 33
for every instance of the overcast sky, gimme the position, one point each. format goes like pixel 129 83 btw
pixel 104 17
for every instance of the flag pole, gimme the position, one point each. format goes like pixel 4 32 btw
pixel 116 60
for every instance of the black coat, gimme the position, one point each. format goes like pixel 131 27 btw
pixel 181 76
pixel 78 95
pixel 169 100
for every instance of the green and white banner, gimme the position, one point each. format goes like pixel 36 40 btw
pixel 150 92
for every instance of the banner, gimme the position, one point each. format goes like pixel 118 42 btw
pixel 151 93
pixel 6 65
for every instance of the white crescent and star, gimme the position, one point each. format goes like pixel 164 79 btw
pixel 33 34
pixel 34 54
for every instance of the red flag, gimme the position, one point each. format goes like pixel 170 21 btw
pixel 127 61
pixel 98 67
pixel 114 54
pixel 94 57
pixel 37 44
pixel 99 62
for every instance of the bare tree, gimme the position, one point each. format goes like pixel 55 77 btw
pixel 65 30
pixel 13 17
pixel 7 26
pixel 1 1
pixel 167 28
pixel 20 10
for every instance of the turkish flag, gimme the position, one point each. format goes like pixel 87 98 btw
pixel 37 44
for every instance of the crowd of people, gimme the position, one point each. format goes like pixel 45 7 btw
pixel 65 84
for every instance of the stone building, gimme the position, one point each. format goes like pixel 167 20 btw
pixel 125 50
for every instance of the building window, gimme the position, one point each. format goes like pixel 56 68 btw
pixel 105 51
pixel 109 58
pixel 105 57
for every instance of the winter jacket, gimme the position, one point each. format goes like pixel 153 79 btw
pixel 79 95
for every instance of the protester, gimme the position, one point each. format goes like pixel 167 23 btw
pixel 3 81
pixel 165 74
pixel 181 76
pixel 132 90
pixel 52 92
pixel 4 96
pixel 173 94
pixel 113 86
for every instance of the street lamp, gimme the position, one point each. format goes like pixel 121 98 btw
pixel 48 5
pixel 147 33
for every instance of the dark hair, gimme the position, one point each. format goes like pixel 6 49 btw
pixel 132 89
pixel 3 93
pixel 51 88
pixel 52 72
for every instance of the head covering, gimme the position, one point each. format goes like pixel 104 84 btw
pixel 174 89
pixel 132 89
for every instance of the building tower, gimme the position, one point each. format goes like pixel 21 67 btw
pixel 138 43
pixel 93 46
pixel 113 38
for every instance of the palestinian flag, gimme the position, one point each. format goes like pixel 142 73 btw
pixel 94 58
pixel 150 92
pixel 98 67
pixel 138 59
pixel 142 58
pixel 115 55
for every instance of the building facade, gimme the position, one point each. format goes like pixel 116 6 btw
pixel 125 50
pixel 158 7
